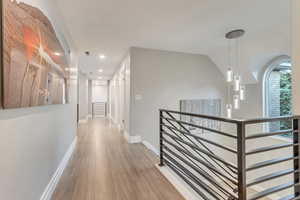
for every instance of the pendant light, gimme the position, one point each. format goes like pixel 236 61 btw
pixel 229 110
pixel 236 101
pixel 235 86
pixel 229 75
pixel 237 83
pixel 242 92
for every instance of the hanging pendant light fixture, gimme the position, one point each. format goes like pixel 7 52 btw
pixel 242 92
pixel 236 101
pixel 229 110
pixel 235 86
pixel 237 83
pixel 229 75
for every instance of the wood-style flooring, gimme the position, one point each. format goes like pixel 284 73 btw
pixel 105 167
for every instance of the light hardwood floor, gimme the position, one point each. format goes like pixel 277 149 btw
pixel 105 167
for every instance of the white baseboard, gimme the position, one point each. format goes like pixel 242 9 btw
pixel 84 120
pixel 151 147
pixel 99 116
pixel 47 194
pixel 113 121
pixel 90 116
pixel 119 127
pixel 132 139
pixel 183 188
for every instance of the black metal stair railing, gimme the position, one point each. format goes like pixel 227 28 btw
pixel 218 170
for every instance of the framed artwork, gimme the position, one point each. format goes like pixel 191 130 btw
pixel 34 63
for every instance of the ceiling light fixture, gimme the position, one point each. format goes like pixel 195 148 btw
pixel 57 53
pixel 235 86
pixel 100 70
pixel 102 57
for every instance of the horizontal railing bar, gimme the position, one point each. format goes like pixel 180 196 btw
pixel 204 116
pixel 204 158
pixel 208 166
pixel 203 139
pixel 192 161
pixel 201 127
pixel 259 135
pixel 271 176
pixel 229 120
pixel 270 162
pixel 202 184
pixel 272 190
pixel 201 172
pixel 186 180
pixel 273 119
pixel 290 197
pixel 200 142
pixel 202 150
pixel 270 148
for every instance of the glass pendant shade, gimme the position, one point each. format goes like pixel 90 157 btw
pixel 242 92
pixel 229 110
pixel 229 77
pixel 237 82
pixel 236 101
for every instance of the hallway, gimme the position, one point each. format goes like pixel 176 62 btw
pixel 104 166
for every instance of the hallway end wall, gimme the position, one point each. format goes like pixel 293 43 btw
pixel 160 79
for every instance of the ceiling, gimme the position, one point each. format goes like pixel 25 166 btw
pixel 110 27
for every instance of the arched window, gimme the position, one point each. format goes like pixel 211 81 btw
pixel 278 92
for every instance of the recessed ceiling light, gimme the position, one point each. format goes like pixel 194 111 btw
pixel 102 57
pixel 100 70
pixel 57 53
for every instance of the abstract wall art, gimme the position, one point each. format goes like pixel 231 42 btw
pixel 34 63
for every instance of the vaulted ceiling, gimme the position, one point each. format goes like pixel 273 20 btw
pixel 110 27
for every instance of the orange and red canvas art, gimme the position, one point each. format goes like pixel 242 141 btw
pixel 34 63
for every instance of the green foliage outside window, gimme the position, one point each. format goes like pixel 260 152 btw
pixel 285 98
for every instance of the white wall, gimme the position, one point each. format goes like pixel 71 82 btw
pixel 90 97
pixel 120 95
pixel 100 93
pixel 83 96
pixel 34 140
pixel 296 54
pixel 252 107
pixel 160 79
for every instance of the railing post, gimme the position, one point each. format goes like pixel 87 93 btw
pixel 161 138
pixel 296 154
pixel 241 159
